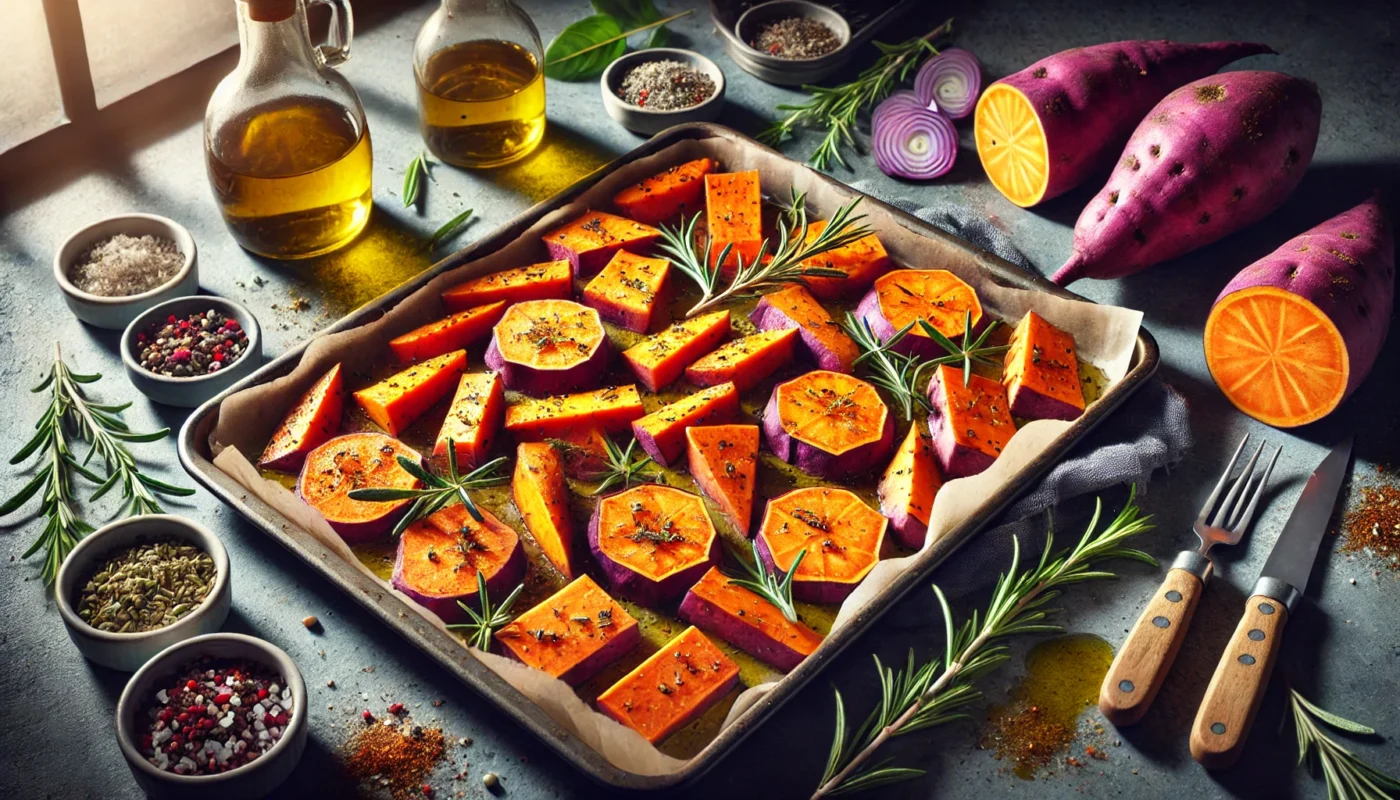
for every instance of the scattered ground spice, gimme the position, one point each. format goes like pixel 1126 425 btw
pixel 391 757
pixel 796 38
pixel 665 85
pixel 121 265
pixel 1372 524
pixel 200 344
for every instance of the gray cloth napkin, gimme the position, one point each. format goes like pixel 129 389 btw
pixel 1150 431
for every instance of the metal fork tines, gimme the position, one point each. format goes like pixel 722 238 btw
pixel 1232 517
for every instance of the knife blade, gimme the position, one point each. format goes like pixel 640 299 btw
pixel 1296 549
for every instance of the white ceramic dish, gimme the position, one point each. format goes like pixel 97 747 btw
pixel 192 391
pixel 115 313
pixel 251 781
pixel 128 651
pixel 788 71
pixel 648 121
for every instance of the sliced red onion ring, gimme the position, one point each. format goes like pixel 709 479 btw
pixel 902 99
pixel 911 140
pixel 950 82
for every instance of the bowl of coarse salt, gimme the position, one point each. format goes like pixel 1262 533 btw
pixel 116 268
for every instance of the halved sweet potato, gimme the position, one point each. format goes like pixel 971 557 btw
pixel 844 539
pixel 542 497
pixel 588 242
pixel 863 261
pixel 734 216
pixel 660 359
pixel 612 409
pixel 548 346
pixel 395 402
pixel 454 332
pixel 356 461
pixel 551 279
pixel 828 424
pixel 438 559
pixel 745 362
pixel 630 291
pixel 573 634
pixel 670 689
pixel 662 432
pixel 653 542
pixel 1042 372
pixel 723 460
pixel 474 418
pixel 313 420
pixel 582 450
pixel 970 424
pixel 823 340
pixel 905 296
pixel 742 618
pixel 908 487
pixel 666 195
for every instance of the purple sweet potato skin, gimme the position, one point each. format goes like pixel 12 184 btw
pixel 1090 97
pixel 545 382
pixel 615 648
pixel 1027 403
pixel 956 460
pixel 711 618
pixel 510 575
pixel 768 317
pixel 814 460
pixel 638 587
pixel 1215 156
pixel 1345 267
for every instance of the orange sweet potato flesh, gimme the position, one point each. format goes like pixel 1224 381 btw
pixel 313 420
pixel 822 336
pixel 970 424
pixel 734 216
pixel 439 557
pixel 573 634
pixel 590 241
pixel 395 402
pixel 908 487
pixel 474 418
pixel 582 450
pixel 662 432
pixel 659 360
pixel 863 261
pixel 723 460
pixel 1041 374
pixel 843 537
pixel 545 281
pixel 356 461
pixel 745 362
pixel 612 409
pixel 666 195
pixel 542 496
pixel 937 295
pixel 454 332
pixel 747 621
pixel 630 291
pixel 670 689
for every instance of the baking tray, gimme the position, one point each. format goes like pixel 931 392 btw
pixel 449 651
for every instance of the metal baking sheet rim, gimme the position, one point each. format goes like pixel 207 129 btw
pixel 447 651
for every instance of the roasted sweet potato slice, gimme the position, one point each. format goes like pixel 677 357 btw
pixel 666 195
pixel 589 241
pixel 551 279
pixel 723 460
pixel 747 621
pixel 908 487
pixel 611 409
pixel 905 296
pixel 823 340
pixel 673 687
pixel 573 634
pixel 828 424
pixel 734 216
pixel 455 332
pixel 659 360
pixel 548 346
pixel 631 291
pixel 745 362
pixel 438 559
pixel 970 424
pixel 662 432
pixel 843 537
pixel 582 450
pixel 356 461
pixel 863 261
pixel 542 496
pixel 313 420
pixel 474 418
pixel 395 402
pixel 1042 372
pixel 653 542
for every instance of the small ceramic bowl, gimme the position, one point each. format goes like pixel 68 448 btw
pixel 128 651
pixel 115 313
pixel 249 781
pixel 788 71
pixel 192 391
pixel 649 121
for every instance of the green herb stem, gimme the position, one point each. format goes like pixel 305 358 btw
pixel 450 229
pixel 623 467
pixel 438 491
pixel 1346 775
pixel 482 625
pixel 771 585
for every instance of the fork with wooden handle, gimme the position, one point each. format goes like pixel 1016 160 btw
pixel 1147 654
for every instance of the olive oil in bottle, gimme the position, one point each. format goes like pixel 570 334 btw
pixel 481 103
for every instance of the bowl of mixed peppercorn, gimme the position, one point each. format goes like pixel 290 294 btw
pixel 185 351
pixel 648 91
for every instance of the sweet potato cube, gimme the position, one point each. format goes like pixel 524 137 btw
pixel 908 487
pixel 733 216
pixel 660 359
pixel 542 496
pixel 573 634
pixel 745 362
pixel 474 418
pixel 550 280
pixel 454 332
pixel 612 408
pixel 666 195
pixel 312 421
pixel 1042 372
pixel 630 290
pixel 970 424
pixel 662 432
pixel 723 460
pixel 863 261
pixel 590 241
pixel 823 340
pixel 395 402
pixel 673 687
pixel 747 621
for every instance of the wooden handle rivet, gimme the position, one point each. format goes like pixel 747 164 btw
pixel 1161 622
pixel 1266 608
pixel 1174 596
pixel 1247 660
pixel 1257 635
pixel 1126 686
pixel 1217 728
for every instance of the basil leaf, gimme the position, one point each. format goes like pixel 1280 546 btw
pixel 634 14
pixel 660 37
pixel 559 60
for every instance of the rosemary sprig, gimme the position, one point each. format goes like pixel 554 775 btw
pixel 912 699
pixel 1346 775
pixel 622 467
pixel 970 350
pixel 835 109
pixel 413 179
pixel 760 275
pixel 450 229
pixel 900 374
pixel 440 491
pixel 771 585
pixel 482 625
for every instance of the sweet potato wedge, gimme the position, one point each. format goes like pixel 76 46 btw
pixel 828 424
pixel 544 347
pixel 438 559
pixel 630 290
pixel 652 542
pixel 843 537
pixel 312 421
pixel 356 461
pixel 551 279
pixel 666 195
pixel 590 241
pixel 612 409
pixel 908 487
pixel 455 332
pixel 660 359
pixel 1042 372
pixel 746 361
pixel 723 460
pixel 747 621
pixel 823 340
pixel 863 261
pixel 573 634
pixel 397 401
pixel 672 688
pixel 733 216
pixel 583 451
pixel 970 424
pixel 474 418
pixel 662 432
pixel 542 496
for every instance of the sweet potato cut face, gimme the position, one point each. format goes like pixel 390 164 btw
pixel 863 261
pixel 630 290
pixel 312 421
pixel 1012 145
pixel 908 487
pixel 970 424
pixel 583 451
pixel 588 242
pixel 1041 372
pixel 653 542
pixel 397 401
pixel 439 557
pixel 573 634
pixel 734 216
pixel 662 432
pixel 670 689
pixel 547 346
pixel 747 621
pixel 550 279
pixel 823 339
pixel 542 496
pixel 356 461
pixel 660 360
pixel 611 409
pixel 666 195
pixel 936 295
pixel 842 536
pixel 723 460
pixel 833 412
pixel 474 418
pixel 455 332
pixel 746 361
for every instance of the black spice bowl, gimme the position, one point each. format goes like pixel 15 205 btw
pixel 188 392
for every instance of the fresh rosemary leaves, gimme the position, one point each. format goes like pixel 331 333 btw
pixel 482 625
pixel 899 374
pixel 770 584
pixel 450 229
pixel 439 492
pixel 1346 775
pixel 413 179
pixel 623 467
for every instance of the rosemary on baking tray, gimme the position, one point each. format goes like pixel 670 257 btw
pixel 900 374
pixel 622 466
pixel 770 584
pixel 483 624
pixel 969 350
pixel 440 491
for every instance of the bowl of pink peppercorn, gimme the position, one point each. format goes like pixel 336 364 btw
pixel 184 351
